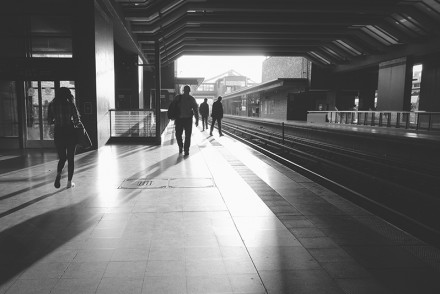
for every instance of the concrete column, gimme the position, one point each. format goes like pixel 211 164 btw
pixel 93 56
pixel 158 87
pixel 430 85
pixel 394 85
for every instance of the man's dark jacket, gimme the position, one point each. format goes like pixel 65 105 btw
pixel 217 109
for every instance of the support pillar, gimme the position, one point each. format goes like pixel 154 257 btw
pixel 158 88
pixel 430 85
pixel 394 85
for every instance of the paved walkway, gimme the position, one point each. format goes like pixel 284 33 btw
pixel 225 219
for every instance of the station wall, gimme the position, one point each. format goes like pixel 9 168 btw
pixel 274 105
pixel 284 67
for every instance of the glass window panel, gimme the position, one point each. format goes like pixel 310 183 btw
pixel 51 37
pixel 47 95
pixel 51 47
pixel 8 109
pixel 32 112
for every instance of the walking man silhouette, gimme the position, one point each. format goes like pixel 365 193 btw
pixel 188 107
pixel 217 115
pixel 204 112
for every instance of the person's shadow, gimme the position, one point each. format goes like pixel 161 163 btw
pixel 26 243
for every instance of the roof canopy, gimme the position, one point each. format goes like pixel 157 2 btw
pixel 341 34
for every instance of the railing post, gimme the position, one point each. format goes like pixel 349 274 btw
pixel 380 119
pixel 429 121
pixel 417 117
pixel 283 131
pixel 129 123
pixel 158 86
pixel 110 123
pixel 407 121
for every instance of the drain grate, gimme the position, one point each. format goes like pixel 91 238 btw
pixel 145 183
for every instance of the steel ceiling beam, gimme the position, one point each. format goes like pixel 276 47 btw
pixel 276 27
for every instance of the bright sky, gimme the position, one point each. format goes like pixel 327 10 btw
pixel 211 66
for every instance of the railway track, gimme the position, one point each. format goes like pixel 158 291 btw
pixel 404 193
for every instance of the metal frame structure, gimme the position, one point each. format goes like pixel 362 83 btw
pixel 335 33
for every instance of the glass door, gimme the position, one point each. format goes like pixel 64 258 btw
pixel 38 96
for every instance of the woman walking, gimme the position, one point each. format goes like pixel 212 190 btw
pixel 62 112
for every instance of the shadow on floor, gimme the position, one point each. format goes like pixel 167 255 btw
pixel 26 243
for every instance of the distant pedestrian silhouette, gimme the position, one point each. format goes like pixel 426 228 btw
pixel 217 115
pixel 62 112
pixel 204 112
pixel 187 108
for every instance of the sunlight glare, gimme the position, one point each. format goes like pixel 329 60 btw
pixel 211 66
pixel 107 176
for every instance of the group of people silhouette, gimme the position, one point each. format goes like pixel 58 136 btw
pixel 63 116
pixel 188 108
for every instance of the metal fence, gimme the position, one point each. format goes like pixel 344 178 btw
pixel 396 119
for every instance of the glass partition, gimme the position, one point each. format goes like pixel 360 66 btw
pixel 51 36
pixel 133 123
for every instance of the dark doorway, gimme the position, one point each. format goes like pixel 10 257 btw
pixel 297 106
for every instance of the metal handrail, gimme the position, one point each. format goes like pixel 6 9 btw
pixel 397 119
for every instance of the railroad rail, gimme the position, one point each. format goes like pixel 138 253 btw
pixel 403 192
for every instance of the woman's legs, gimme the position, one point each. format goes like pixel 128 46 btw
pixel 71 164
pixel 61 150
pixel 66 152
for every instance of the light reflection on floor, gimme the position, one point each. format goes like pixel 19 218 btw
pixel 211 231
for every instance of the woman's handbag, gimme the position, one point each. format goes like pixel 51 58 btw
pixel 82 137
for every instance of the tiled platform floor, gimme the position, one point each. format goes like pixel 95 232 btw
pixel 144 219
